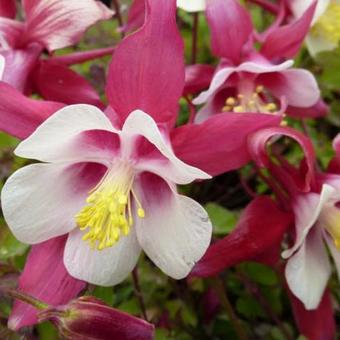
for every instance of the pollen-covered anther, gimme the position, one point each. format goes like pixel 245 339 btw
pixel 328 25
pixel 253 102
pixel 108 213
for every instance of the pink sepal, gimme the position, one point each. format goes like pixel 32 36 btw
pixel 285 41
pixel 147 68
pixel 197 78
pixel 45 278
pixel 227 132
pixel 19 115
pixel 318 324
pixel 8 8
pixel 230 26
pixel 57 82
pixel 261 226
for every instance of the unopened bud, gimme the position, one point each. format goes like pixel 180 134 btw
pixel 89 318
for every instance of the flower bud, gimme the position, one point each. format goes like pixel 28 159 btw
pixel 89 318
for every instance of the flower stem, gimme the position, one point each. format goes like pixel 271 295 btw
pixel 194 39
pixel 27 299
pixel 118 15
pixel 221 292
pixel 139 293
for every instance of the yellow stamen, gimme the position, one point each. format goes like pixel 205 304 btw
pixel 108 215
pixel 252 102
pixel 328 25
pixel 330 220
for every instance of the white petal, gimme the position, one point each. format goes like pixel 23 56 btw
pixel 192 5
pixel 40 201
pixel 307 210
pixel 50 142
pixel 172 168
pixel 175 232
pixel 2 66
pixel 249 66
pixel 316 44
pixel 218 80
pixel 107 267
pixel 299 7
pixel 308 271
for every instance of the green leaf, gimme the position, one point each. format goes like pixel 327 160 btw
pixel 9 245
pixel 222 219
pixel 260 273
pixel 105 294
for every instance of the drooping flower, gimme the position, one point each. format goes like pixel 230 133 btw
pixel 250 81
pixel 89 318
pixel 312 197
pixel 324 33
pixel 192 5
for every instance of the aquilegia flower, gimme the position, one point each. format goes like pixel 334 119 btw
pixel 112 190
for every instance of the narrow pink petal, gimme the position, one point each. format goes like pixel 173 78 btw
pixel 11 32
pixel 8 8
pixel 60 23
pixel 81 57
pixel 318 324
pixel 297 86
pixel 318 110
pixel 136 16
pixel 20 64
pixel 57 82
pixel 227 132
pixel 197 78
pixel 258 143
pixel 230 26
pixel 262 222
pixel 285 41
pixel 44 277
pixel 147 68
pixel 19 115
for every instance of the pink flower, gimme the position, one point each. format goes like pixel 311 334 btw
pixel 50 24
pixel 115 196
pixel 145 66
pixel 89 318
pixel 251 81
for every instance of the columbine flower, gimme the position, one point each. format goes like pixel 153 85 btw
pixel 324 34
pixel 317 223
pixel 49 24
pixel 250 81
pixel 112 190
pixel 89 318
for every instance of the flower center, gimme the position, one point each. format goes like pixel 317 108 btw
pixel 328 25
pixel 108 213
pixel 250 103
pixel 330 220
